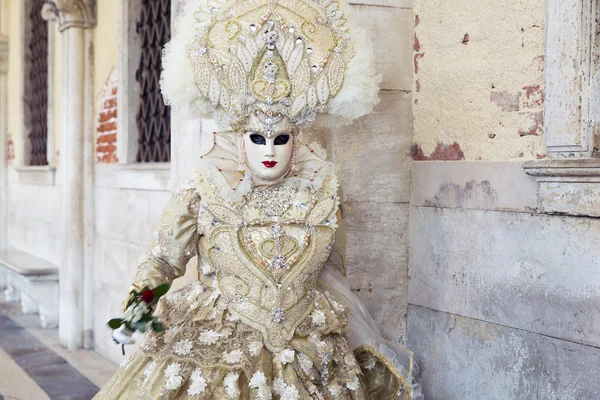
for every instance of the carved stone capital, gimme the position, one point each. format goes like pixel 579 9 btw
pixel 71 13
pixel 567 186
pixel 3 54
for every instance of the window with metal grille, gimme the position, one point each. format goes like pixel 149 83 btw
pixel 153 117
pixel 37 84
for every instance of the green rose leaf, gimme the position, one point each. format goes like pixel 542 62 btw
pixel 157 327
pixel 115 323
pixel 146 318
pixel 161 290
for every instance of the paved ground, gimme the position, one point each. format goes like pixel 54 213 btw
pixel 33 365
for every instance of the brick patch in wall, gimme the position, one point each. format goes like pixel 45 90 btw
pixel 529 103
pixel 533 97
pixel 106 128
pixel 536 124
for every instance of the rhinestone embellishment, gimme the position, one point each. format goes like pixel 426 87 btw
pixel 278 315
pixel 273 202
pixel 278 261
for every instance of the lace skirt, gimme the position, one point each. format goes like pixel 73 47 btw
pixel 206 353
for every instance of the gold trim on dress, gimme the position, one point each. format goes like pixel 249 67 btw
pixel 368 349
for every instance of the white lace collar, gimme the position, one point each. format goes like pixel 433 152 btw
pixel 222 154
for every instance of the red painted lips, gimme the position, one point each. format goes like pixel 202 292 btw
pixel 269 164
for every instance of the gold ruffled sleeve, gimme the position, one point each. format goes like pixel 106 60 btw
pixel 175 240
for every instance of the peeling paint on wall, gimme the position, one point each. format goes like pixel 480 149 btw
pixel 537 124
pixel 445 152
pixel 479 80
pixel 506 101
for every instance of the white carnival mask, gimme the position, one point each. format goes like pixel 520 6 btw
pixel 269 157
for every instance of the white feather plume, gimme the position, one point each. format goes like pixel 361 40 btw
pixel 177 83
pixel 359 94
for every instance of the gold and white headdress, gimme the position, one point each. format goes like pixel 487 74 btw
pixel 269 65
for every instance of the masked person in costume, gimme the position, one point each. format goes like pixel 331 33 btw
pixel 271 316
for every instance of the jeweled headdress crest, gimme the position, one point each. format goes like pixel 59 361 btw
pixel 270 65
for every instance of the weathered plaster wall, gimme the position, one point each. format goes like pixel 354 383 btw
pixel 4 17
pixel 106 40
pixel 503 300
pixel 33 224
pixel 478 79
pixel 462 358
pixel 125 221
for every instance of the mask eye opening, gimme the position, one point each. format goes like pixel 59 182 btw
pixel 282 139
pixel 257 138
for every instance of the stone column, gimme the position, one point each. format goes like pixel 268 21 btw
pixel 73 17
pixel 568 179
pixel 3 142
pixel 571 78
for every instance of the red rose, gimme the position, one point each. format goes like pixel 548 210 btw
pixel 147 296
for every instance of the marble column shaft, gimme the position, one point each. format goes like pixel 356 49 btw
pixel 73 17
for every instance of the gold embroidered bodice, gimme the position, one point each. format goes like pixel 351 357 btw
pixel 267 256
pixel 265 252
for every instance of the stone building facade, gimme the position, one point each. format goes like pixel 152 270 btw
pixel 470 195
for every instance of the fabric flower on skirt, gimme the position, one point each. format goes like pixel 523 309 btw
pixel 258 379
pixel 287 356
pixel 290 393
pixel 183 347
pixel 231 385
pixel 318 317
pixel 354 384
pixel 259 382
pixel 285 391
pixel 209 337
pixel 279 386
pixel 150 367
pixel 198 384
pixel 233 357
pixel 255 347
pixel 335 389
pixel 174 380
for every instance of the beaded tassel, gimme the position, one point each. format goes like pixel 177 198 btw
pixel 242 154
pixel 293 162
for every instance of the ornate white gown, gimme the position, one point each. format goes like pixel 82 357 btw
pixel 271 316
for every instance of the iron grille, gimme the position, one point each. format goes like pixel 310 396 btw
pixel 38 84
pixel 153 117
